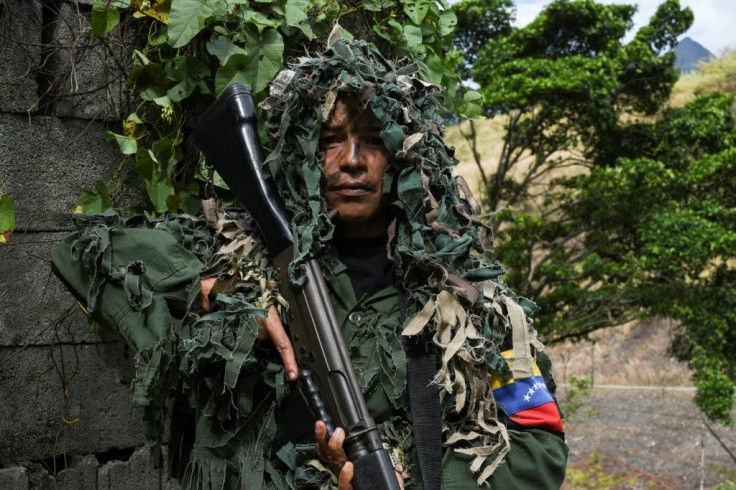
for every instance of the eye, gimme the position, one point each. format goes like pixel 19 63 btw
pixel 375 141
pixel 327 141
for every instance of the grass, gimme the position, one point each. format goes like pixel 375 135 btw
pixel 490 142
pixel 633 354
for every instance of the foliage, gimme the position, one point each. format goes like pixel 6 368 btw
pixel 478 22
pixel 196 48
pixel 578 387
pixel 609 206
pixel 7 215
pixel 593 475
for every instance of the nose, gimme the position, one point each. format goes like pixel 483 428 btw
pixel 352 156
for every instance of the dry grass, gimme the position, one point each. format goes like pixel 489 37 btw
pixel 633 354
pixel 718 75
pixel 490 142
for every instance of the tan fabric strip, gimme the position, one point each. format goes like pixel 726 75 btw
pixel 522 363
pixel 419 321
pixel 463 288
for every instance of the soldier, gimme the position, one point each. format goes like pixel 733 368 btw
pixel 358 157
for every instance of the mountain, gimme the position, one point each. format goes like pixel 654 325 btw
pixel 689 54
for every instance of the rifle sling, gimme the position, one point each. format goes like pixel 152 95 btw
pixel 424 401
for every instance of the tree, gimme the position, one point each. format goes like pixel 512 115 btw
pixel 478 22
pixel 608 206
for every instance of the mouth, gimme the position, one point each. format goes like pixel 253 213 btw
pixel 351 188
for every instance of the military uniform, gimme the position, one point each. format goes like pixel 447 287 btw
pixel 133 273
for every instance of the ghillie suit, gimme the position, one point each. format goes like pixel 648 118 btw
pixel 438 244
pixel 207 374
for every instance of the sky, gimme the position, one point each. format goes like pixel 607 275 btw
pixel 713 26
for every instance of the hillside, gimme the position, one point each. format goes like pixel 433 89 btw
pixel 718 75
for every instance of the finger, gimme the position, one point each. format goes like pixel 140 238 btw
pixel 276 332
pixel 205 286
pixel 345 479
pixel 400 479
pixel 320 431
pixel 335 442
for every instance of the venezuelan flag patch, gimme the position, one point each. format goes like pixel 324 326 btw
pixel 527 401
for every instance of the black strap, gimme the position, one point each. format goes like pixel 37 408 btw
pixel 424 401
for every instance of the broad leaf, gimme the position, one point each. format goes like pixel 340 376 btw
pixel 256 68
pixel 471 95
pixel 128 146
pixel 146 163
pixel 103 19
pixel 7 217
pixel 157 9
pixel 260 20
pixel 413 36
pixel 158 193
pixel 378 5
pixel 104 194
pixel 96 201
pixel 296 16
pixel 416 10
pixel 222 47
pixel 187 19
pixel 448 22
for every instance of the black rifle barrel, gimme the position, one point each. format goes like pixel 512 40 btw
pixel 227 136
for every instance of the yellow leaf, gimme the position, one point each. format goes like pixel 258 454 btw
pixel 158 9
pixel 129 129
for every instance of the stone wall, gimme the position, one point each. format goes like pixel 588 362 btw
pixel 66 417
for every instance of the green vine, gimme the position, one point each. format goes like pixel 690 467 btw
pixel 194 49
pixel 7 215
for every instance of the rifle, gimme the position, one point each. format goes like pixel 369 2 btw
pixel 228 138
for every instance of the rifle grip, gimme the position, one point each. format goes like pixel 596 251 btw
pixel 314 400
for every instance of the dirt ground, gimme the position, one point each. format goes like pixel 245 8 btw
pixel 646 439
pixel 641 436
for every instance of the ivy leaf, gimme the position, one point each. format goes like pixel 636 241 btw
pixel 378 5
pixel 157 9
pixel 413 36
pixel 471 95
pixel 158 193
pixel 416 10
pixel 296 15
pixel 149 80
pixel 471 110
pixel 259 20
pixel 187 19
pixel 431 69
pixel 104 194
pixel 128 146
pixel 448 22
pixel 145 163
pixel 7 217
pixel 103 19
pixel 97 200
pixel 222 47
pixel 257 67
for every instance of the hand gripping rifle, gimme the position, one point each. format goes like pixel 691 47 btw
pixel 227 136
